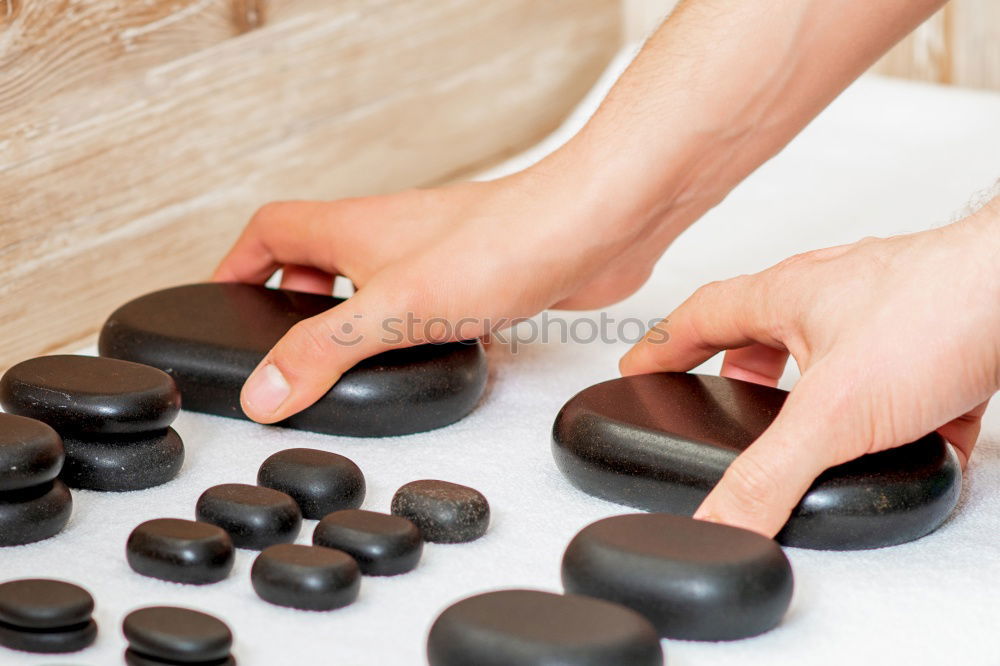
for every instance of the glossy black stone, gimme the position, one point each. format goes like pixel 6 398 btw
pixel 692 579
pixel 445 512
pixel 120 463
pixel 88 394
pixel 255 517
pixel 43 603
pixel 306 577
pixel 532 628
pixel 169 633
pixel 31 452
pixel 660 442
pixel 321 482
pixel 133 658
pixel 383 545
pixel 49 641
pixel 182 551
pixel 210 337
pixel 34 513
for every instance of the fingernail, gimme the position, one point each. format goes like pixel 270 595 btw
pixel 266 390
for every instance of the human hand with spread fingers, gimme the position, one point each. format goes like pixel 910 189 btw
pixel 894 338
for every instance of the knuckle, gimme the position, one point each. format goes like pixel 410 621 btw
pixel 310 340
pixel 266 213
pixel 753 481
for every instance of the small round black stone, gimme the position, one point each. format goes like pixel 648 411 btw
pixel 43 603
pixel 123 463
pixel 306 577
pixel 133 658
pixel 383 545
pixel 31 452
pixel 91 394
pixel 694 580
pixel 49 641
pixel 34 513
pixel 445 512
pixel 176 634
pixel 321 482
pixel 532 628
pixel 255 517
pixel 182 551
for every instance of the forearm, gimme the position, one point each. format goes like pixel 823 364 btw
pixel 719 89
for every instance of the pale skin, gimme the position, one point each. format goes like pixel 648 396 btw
pixel 894 338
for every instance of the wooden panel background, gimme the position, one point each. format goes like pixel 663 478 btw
pixel 959 45
pixel 137 137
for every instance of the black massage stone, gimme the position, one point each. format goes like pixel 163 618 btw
pixel 88 394
pixel 133 658
pixel 49 641
pixel 383 545
pixel 182 551
pixel 31 452
pixel 45 616
pixel 34 513
pixel 167 634
pixel 41 603
pixel 661 441
pixel 693 580
pixel 321 482
pixel 123 462
pixel 532 628
pixel 306 577
pixel 255 517
pixel 210 337
pixel 445 512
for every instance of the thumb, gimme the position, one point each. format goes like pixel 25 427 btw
pixel 315 352
pixel 763 484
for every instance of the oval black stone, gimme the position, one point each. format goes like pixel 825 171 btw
pixel 210 337
pixel 660 442
pixel 692 579
pixel 306 577
pixel 122 463
pixel 31 452
pixel 383 545
pixel 49 641
pixel 182 551
pixel 178 634
pixel 43 603
pixel 445 512
pixel 532 628
pixel 34 513
pixel 90 394
pixel 321 482
pixel 133 658
pixel 255 517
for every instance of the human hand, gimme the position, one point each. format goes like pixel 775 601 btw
pixel 456 261
pixel 894 338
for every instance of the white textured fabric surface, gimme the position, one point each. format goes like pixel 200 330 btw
pixel 887 157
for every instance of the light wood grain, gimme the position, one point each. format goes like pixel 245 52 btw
pixel 136 138
pixel 958 45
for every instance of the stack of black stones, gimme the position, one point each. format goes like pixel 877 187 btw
pixel 348 542
pixel 34 503
pixel 113 416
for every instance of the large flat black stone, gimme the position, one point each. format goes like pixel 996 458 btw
pixel 534 628
pixel 660 442
pixel 210 337
pixel 692 579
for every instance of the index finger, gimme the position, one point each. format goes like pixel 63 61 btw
pixel 287 232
